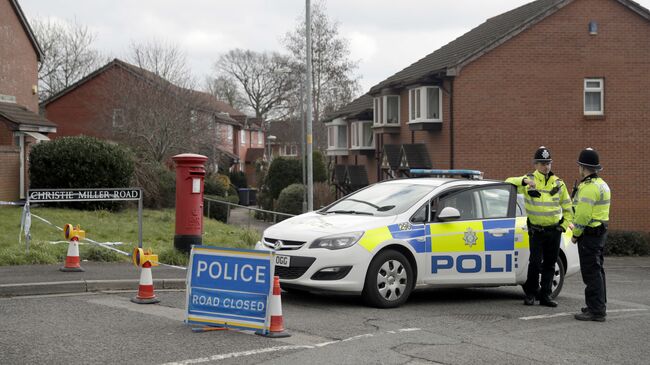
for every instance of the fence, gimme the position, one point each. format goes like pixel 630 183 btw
pixel 229 206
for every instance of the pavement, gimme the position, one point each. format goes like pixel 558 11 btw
pixel 98 276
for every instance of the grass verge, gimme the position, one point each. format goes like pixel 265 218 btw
pixel 49 247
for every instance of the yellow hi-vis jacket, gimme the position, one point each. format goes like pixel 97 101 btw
pixel 547 209
pixel 591 204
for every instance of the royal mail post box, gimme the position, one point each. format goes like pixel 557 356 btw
pixel 190 172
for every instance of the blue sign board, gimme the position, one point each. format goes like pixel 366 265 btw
pixel 229 287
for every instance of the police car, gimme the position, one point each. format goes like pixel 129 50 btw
pixel 395 236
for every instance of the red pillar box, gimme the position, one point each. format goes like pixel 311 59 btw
pixel 190 172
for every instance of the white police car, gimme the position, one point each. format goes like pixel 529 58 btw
pixel 395 236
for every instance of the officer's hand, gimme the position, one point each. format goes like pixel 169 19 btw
pixel 530 182
pixel 574 240
pixel 572 226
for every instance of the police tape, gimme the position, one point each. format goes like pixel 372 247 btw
pixel 12 203
pixel 104 245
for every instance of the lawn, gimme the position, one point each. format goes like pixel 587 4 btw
pixel 104 226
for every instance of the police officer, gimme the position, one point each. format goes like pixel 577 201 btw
pixel 548 207
pixel 591 206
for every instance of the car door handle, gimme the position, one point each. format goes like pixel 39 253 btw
pixel 499 232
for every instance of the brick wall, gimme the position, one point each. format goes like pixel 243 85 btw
pixel 18 60
pixel 529 92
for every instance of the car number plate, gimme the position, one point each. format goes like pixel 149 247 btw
pixel 281 260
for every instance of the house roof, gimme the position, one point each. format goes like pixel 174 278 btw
pixel 20 115
pixel 415 156
pixel 471 45
pixel 254 154
pixel 224 112
pixel 359 108
pixel 338 174
pixel 28 29
pixel 391 156
pixel 357 176
pixel 285 131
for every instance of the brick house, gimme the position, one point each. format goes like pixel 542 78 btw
pixel 287 139
pixel 121 96
pixel 567 74
pixel 20 124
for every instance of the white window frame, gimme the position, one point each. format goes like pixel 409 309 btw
pixel 260 138
pixel 419 105
pixel 380 111
pixel 118 118
pixel 229 132
pixel 333 135
pixel 357 135
pixel 600 89
pixel 242 138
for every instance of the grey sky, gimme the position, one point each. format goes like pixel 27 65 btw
pixel 385 35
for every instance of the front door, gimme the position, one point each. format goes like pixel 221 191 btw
pixel 478 247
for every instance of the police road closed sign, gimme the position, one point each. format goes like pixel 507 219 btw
pixel 229 287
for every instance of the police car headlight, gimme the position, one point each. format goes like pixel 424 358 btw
pixel 338 241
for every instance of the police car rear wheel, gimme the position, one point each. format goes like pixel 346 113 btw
pixel 558 278
pixel 388 280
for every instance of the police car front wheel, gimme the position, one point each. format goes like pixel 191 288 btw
pixel 388 280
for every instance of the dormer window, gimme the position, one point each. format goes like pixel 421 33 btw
pixel 386 111
pixel 425 104
pixel 337 137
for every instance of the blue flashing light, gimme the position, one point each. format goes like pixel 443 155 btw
pixel 472 174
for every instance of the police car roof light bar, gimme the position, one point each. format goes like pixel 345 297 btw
pixel 470 174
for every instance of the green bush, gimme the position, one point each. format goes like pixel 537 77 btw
pixel 624 243
pixel 290 200
pixel 282 173
pixel 158 184
pixel 320 167
pixel 78 163
pixel 213 185
pixel 238 179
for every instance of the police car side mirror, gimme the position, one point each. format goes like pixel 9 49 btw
pixel 449 214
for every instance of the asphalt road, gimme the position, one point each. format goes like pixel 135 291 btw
pixel 468 326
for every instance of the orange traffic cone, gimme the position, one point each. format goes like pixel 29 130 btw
pixel 276 330
pixel 145 289
pixel 72 258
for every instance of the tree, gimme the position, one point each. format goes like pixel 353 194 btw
pixel 264 79
pixel 334 82
pixel 164 59
pixel 68 55
pixel 225 88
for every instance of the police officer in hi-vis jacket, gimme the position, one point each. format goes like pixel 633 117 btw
pixel 591 202
pixel 548 207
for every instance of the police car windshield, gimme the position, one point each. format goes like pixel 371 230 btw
pixel 381 200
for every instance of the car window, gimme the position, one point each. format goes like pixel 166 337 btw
pixel 381 199
pixel 467 203
pixel 422 215
pixel 495 202
pixel 520 206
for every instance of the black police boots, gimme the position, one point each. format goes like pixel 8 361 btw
pixel 529 300
pixel 547 301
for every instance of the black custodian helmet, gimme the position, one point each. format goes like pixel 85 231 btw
pixel 589 158
pixel 542 155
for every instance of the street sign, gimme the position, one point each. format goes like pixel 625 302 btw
pixel 78 195
pixel 229 287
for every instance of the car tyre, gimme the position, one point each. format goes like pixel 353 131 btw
pixel 558 278
pixel 389 280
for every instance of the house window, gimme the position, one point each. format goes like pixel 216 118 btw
pixel 594 96
pixel 337 135
pixel 386 110
pixel 362 135
pixel 243 136
pixel 425 104
pixel 229 132
pixel 260 138
pixel 118 117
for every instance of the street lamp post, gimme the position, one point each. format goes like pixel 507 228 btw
pixel 270 139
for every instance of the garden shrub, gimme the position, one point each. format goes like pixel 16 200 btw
pixel 290 200
pixel 625 243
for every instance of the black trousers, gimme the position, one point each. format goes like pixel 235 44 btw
pixel 590 249
pixel 544 248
